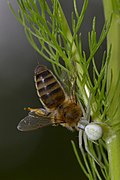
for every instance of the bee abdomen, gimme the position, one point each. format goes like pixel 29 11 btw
pixel 49 89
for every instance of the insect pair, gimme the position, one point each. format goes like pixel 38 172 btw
pixel 58 109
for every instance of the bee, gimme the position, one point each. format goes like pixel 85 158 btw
pixel 59 108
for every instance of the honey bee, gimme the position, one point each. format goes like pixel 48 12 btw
pixel 58 107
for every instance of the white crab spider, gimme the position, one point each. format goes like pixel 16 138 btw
pixel 93 130
pixel 88 131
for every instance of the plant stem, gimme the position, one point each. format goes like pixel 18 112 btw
pixel 113 146
pixel 113 82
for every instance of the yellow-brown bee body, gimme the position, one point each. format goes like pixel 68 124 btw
pixel 69 112
pixel 59 108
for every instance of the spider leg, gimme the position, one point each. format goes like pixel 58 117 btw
pixel 82 123
pixel 82 108
pixel 87 114
pixel 80 140
pixel 88 151
pixel 94 142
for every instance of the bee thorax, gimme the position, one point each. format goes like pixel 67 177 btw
pixel 68 114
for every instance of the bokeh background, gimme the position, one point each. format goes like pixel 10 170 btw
pixel 46 153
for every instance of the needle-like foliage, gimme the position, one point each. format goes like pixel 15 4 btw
pixel 49 34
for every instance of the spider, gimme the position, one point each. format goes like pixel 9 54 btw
pixel 88 131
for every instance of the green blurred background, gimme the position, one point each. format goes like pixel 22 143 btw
pixel 46 153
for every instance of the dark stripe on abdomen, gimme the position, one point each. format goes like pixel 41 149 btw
pixel 49 90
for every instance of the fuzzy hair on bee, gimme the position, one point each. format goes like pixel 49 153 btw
pixel 58 107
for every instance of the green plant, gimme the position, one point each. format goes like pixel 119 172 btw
pixel 48 32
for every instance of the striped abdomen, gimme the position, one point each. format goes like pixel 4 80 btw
pixel 49 90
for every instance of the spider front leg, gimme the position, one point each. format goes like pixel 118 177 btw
pixel 80 140
pixel 85 139
pixel 85 120
pixel 88 131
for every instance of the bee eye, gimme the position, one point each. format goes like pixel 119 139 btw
pixel 93 131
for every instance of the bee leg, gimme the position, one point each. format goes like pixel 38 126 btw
pixel 88 151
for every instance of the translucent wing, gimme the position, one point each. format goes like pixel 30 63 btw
pixel 69 83
pixel 33 121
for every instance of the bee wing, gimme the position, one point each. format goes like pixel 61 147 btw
pixel 69 84
pixel 33 121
